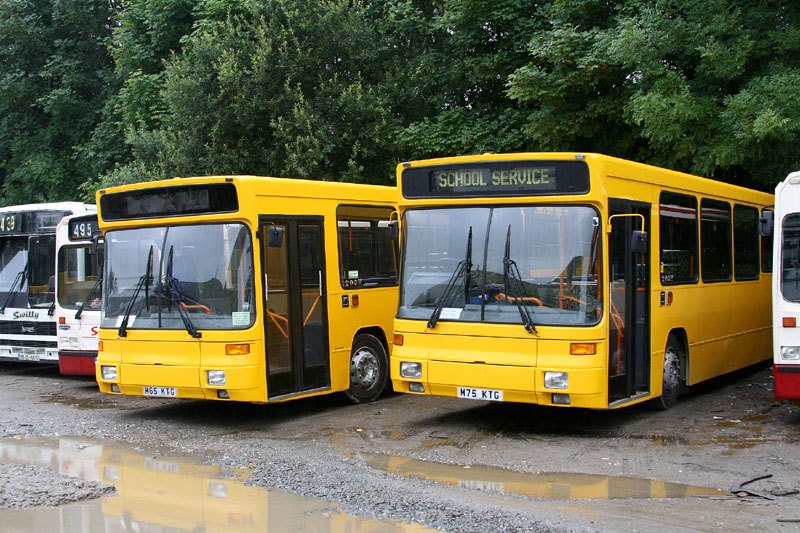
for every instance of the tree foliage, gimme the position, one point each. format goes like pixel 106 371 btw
pixel 54 67
pixel 95 93
pixel 703 87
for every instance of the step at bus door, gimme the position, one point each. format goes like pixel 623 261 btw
pixel 629 313
pixel 293 260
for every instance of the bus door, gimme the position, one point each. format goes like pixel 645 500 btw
pixel 296 326
pixel 629 318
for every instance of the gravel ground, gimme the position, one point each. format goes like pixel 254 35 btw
pixel 719 436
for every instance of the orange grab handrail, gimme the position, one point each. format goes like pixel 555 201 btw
pixel 275 317
pixel 503 296
pixel 205 308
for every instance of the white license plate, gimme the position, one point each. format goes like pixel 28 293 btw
pixel 161 392
pixel 480 394
pixel 34 357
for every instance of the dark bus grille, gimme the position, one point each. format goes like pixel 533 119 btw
pixel 29 344
pixel 8 327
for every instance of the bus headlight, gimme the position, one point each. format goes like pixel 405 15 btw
pixel 215 378
pixel 790 352
pixel 109 373
pixel 556 380
pixel 411 370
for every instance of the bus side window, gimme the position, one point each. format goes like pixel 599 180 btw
pixel 367 253
pixel 678 243
pixel 715 240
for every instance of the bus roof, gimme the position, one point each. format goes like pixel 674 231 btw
pixel 291 187
pixel 75 207
pixel 611 166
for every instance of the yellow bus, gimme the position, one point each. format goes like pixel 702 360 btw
pixel 573 279
pixel 246 288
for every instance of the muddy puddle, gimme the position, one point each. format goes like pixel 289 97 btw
pixel 166 493
pixel 550 486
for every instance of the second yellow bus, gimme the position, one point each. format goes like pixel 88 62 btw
pixel 573 279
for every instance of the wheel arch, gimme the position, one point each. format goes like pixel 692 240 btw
pixel 680 336
pixel 375 331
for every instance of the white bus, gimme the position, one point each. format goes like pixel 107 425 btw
pixel 27 280
pixel 786 290
pixel 78 279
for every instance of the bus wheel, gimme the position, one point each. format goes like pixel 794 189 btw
pixel 369 369
pixel 672 375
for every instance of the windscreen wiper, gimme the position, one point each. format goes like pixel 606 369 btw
pixel 18 280
pixel 464 266
pixel 511 274
pixel 176 296
pixel 92 292
pixel 144 282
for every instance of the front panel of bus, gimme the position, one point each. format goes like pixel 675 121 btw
pixel 27 281
pixel 245 288
pixel 78 292
pixel 501 290
pixel 178 310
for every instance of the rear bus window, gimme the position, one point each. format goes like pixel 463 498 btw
pixel 367 255
pixel 678 246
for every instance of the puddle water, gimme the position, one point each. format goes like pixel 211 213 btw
pixel 156 493
pixel 551 486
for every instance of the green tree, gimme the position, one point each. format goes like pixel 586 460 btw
pixel 703 87
pixel 265 88
pixel 449 67
pixel 54 66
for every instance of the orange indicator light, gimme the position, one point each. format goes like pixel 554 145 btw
pixel 582 348
pixel 237 349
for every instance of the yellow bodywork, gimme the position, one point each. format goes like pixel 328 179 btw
pixel 172 358
pixel 726 325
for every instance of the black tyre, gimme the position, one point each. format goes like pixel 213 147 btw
pixel 369 369
pixel 671 381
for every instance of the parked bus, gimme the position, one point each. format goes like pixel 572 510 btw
pixel 246 288
pixel 77 293
pixel 27 280
pixel 575 280
pixel 786 290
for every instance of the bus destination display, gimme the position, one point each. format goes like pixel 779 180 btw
pixel 531 179
pixel 30 222
pixel 10 223
pixel 518 178
pixel 81 229
pixel 179 200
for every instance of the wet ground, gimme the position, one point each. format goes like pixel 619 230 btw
pixel 726 458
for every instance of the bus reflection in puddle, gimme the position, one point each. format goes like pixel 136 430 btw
pixel 550 486
pixel 155 493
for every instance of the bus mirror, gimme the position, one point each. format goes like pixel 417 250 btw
pixel 766 223
pixel 275 237
pixel 394 230
pixel 639 242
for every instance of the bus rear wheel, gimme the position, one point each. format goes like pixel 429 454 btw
pixel 671 382
pixel 369 369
